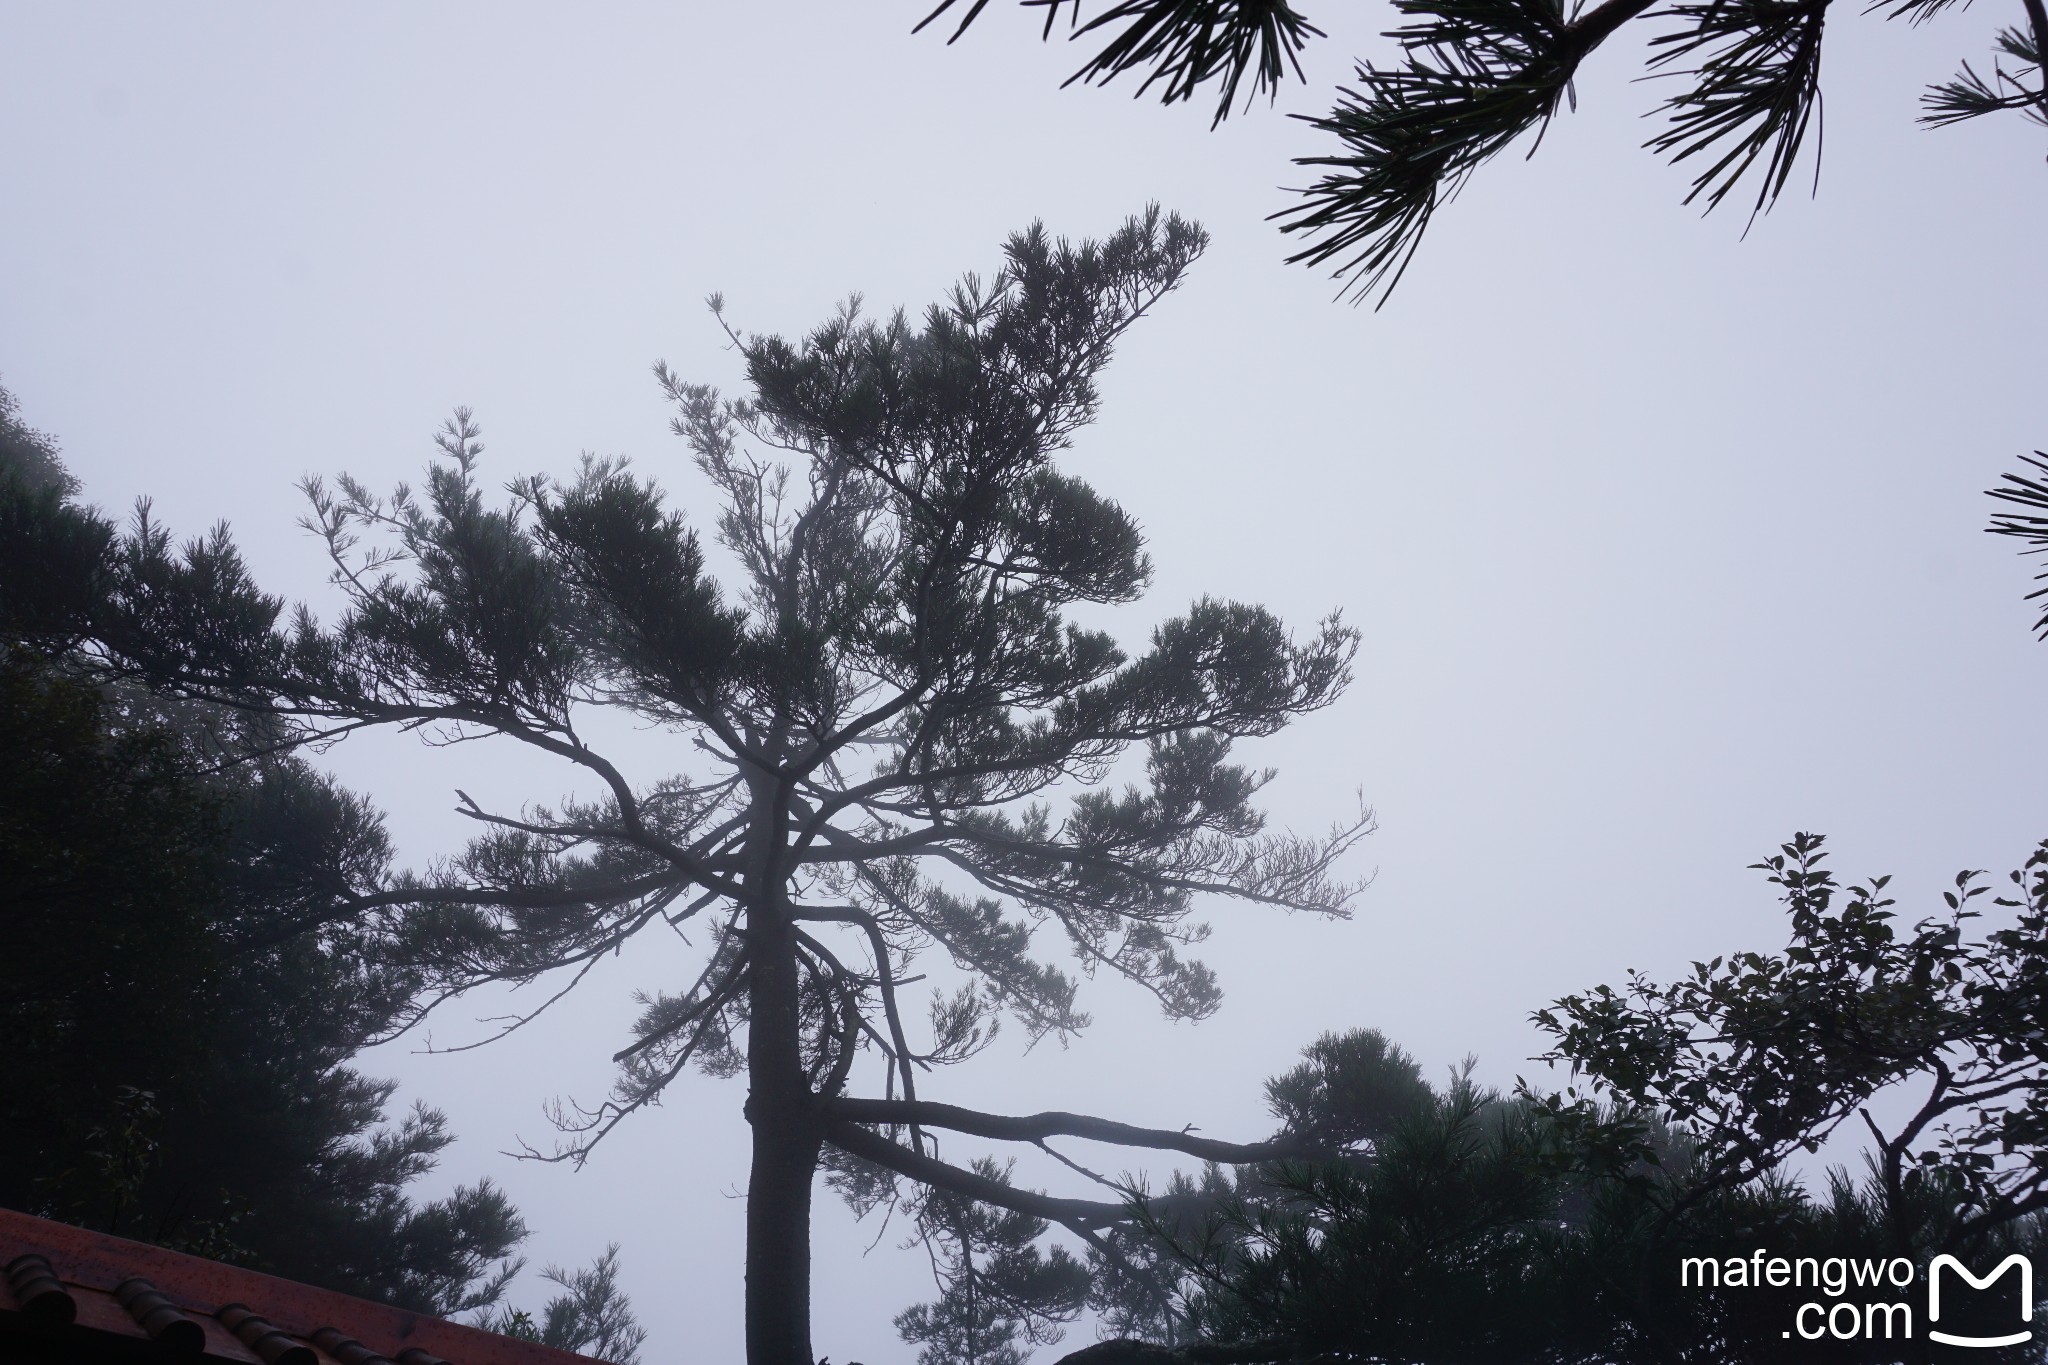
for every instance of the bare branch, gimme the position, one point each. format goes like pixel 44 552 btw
pixel 1035 1128
pixel 1078 1214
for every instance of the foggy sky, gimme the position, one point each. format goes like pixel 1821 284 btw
pixel 1664 543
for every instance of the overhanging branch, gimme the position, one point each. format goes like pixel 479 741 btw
pixel 1083 1215
pixel 1038 1127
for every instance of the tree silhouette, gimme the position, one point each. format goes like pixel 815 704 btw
pixel 1761 1057
pixel 910 743
pixel 999 1294
pixel 181 994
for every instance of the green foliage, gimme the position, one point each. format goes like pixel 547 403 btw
pixel 998 1292
pixel 1350 1088
pixel 1423 1232
pixel 1756 90
pixel 1458 1206
pixel 182 976
pixel 1187 43
pixel 1763 1056
pixel 2027 491
pixel 1462 1225
pixel 1474 76
pixel 100 830
pixel 1478 74
pixel 29 456
pixel 907 738
pixel 1970 95
pixel 170 1021
pixel 1470 1243
pixel 591 1316
pixel 52 552
pixel 1483 1229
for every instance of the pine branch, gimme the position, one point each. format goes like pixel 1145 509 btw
pixel 1082 1216
pixel 1971 96
pixel 1186 44
pixel 1476 75
pixel 1036 1128
pixel 1130 1351
pixel 2030 526
pixel 1757 86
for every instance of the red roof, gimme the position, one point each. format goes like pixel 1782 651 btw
pixel 70 1295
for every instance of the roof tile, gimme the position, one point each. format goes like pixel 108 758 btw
pixel 89 1297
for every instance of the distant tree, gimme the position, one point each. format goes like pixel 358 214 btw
pixel 1345 1100
pixel 1473 77
pixel 1435 1242
pixel 178 997
pixel 1549 1228
pixel 1468 1227
pixel 999 1293
pixel 1465 1227
pixel 1476 1235
pixel 910 740
pixel 31 458
pixel 591 1316
pixel 53 554
pixel 1349 1091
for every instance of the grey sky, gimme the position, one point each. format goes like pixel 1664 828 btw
pixel 1664 543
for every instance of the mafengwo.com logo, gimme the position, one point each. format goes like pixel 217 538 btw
pixel 1958 1269
pixel 1986 1311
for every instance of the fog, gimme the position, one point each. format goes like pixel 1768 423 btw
pixel 1665 539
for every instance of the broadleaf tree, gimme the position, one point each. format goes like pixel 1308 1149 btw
pixel 909 745
pixel 1760 1057
pixel 1471 78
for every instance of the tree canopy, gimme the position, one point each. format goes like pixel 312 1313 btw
pixel 181 999
pixel 1763 1056
pixel 1459 1224
pixel 910 743
pixel 181 991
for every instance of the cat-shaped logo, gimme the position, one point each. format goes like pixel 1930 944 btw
pixel 1934 1298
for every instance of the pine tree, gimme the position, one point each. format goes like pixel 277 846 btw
pixel 910 743
pixel 591 1316
pixel 180 993
pixel 999 1293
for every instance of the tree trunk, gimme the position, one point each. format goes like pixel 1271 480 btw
pixel 787 1137
pixel 779 1243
